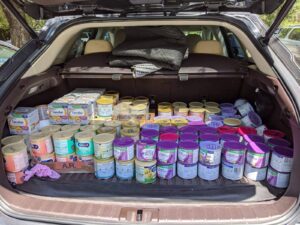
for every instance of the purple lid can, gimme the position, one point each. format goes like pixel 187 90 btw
pixel 216 118
pixel 123 148
pixel 282 159
pixel 168 129
pixel 272 142
pixel 229 137
pixel 228 112
pixel 149 134
pixel 258 154
pixel 206 129
pixel 166 152
pixel 226 105
pixel 234 152
pixel 248 138
pixel 188 152
pixel 209 137
pixel 188 129
pixel 210 153
pixel 188 137
pixel 166 171
pixel 152 126
pixel 146 150
pixel 214 123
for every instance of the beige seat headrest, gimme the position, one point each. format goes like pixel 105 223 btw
pixel 119 37
pixel 192 40
pixel 208 47
pixel 97 46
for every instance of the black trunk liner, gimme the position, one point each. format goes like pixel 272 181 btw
pixel 86 185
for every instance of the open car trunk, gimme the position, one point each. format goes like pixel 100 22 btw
pixel 223 82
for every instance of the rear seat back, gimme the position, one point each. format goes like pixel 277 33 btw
pixel 208 47
pixel 97 46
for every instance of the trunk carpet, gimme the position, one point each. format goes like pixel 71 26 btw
pixel 87 185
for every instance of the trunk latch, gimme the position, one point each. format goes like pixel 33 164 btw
pixel 183 77
pixel 144 215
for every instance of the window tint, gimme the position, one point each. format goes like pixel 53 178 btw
pixel 295 34
pixel 283 32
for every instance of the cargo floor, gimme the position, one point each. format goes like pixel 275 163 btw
pixel 176 189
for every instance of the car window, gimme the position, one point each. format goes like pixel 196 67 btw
pixel 283 32
pixel 295 35
pixel 5 53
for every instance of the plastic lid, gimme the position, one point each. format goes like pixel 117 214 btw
pixel 246 130
pixel 166 144
pixel 206 129
pixel 284 151
pixel 110 130
pixel 196 104
pixel 12 139
pixel 194 118
pixel 149 133
pixel 226 105
pixel 85 135
pixel 214 123
pixel 259 148
pixel 188 129
pixel 227 130
pixel 210 146
pixel 211 104
pixel 146 142
pixel 234 146
pixel 51 128
pixel 179 104
pixel 92 127
pixel 230 137
pixel 231 111
pixel 113 123
pixel 168 137
pixel 188 145
pixel 71 127
pixel 104 138
pixel 254 138
pixel 209 137
pixel 63 135
pixel 216 118
pixel 105 100
pixel 188 136
pixel 123 141
pixel 13 148
pixel 274 133
pixel 168 129
pixel 255 118
pixel 212 110
pixel 279 142
pixel 232 122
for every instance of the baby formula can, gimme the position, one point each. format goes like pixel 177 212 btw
pixel 188 152
pixel 150 126
pixel 206 137
pixel 189 137
pixel 204 129
pixel 282 159
pixel 250 138
pixel 103 145
pixel 229 137
pixel 256 174
pixel 85 158
pixel 211 104
pixel 116 124
pixel 228 112
pixel 63 142
pixel 41 144
pixel 239 102
pixel 16 178
pixel 214 123
pixel 149 134
pixel 188 130
pixel 123 149
pixel 187 171
pixel 273 134
pixel 146 150
pixel 234 152
pixel 196 104
pixel 107 130
pixel 258 155
pixel 166 152
pixel 66 158
pixel 252 119
pixel 277 179
pixel 45 158
pixel 173 137
pixel 84 143
pixel 210 153
pixel 272 142
pixel 168 129
pixel 227 130
pixel 245 108
pixel 226 105
pixel 133 133
pixel 208 172
pixel 246 130
pixel 16 158
pixel 91 127
pixel 166 171
pixel 105 106
pixel 232 171
pixel 51 129
pixel 13 139
pixel 104 168
pixel 198 112
pixel 211 111
pixel 179 104
pixel 232 122
pixel 71 127
pixel 125 169
pixel 181 111
pixel 145 172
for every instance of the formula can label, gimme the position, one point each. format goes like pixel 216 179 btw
pixel 145 152
pixel 104 170
pixel 234 157
pixel 105 110
pixel 188 156
pixel 103 151
pixel 84 147
pixel 256 174
pixel 124 153
pixel 125 171
pixel 281 163
pixel 232 171
pixel 167 171
pixel 257 160
pixel 210 153
pixel 64 147
pixel 208 172
pixel 187 171
pixel 16 162
pixel 276 179
pixel 146 174
pixel 167 156
pixel 41 147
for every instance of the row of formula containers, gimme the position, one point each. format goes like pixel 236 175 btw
pixel 77 107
